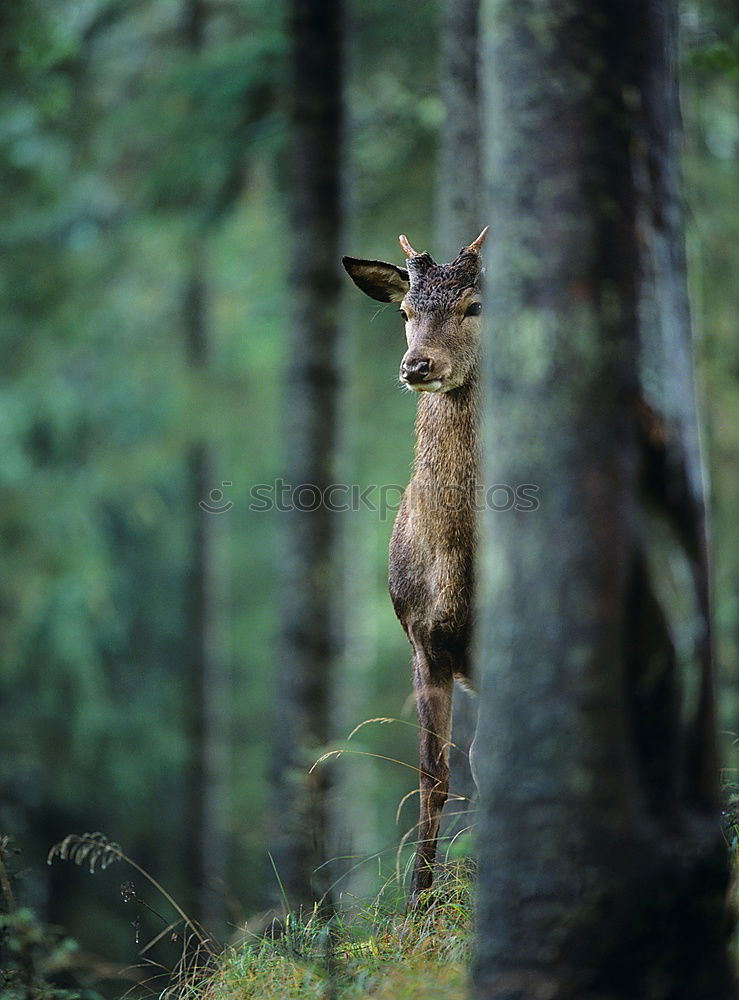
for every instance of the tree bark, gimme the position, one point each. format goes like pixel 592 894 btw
pixel 603 873
pixel 307 647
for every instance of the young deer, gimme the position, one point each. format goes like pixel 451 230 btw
pixel 431 575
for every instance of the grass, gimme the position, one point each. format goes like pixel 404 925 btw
pixel 367 951
pixel 372 950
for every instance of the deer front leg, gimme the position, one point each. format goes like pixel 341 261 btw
pixel 433 690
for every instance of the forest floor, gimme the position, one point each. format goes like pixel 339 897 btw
pixel 376 951
pixel 373 952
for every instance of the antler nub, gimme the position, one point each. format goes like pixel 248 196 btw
pixel 407 248
pixel 477 244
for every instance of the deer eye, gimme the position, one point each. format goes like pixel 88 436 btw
pixel 473 310
pixel 404 315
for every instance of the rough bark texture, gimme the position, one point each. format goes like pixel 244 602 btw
pixel 459 219
pixel 307 640
pixel 602 868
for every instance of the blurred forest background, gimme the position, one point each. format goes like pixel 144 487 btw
pixel 144 299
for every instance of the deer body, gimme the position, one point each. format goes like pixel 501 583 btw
pixel 431 552
pixel 431 571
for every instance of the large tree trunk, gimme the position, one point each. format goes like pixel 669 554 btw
pixel 459 220
pixel 602 868
pixel 307 642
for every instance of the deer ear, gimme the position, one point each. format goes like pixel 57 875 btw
pixel 381 281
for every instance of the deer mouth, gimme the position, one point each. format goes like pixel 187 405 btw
pixel 432 385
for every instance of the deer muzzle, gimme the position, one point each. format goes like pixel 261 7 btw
pixel 420 374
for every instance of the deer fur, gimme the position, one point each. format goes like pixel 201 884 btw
pixel 431 571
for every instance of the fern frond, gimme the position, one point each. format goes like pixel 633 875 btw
pixel 94 848
pixel 99 852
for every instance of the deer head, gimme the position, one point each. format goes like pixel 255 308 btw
pixel 440 305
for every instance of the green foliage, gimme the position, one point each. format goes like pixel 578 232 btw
pixel 35 958
pixel 32 956
pixel 722 57
pixel 194 128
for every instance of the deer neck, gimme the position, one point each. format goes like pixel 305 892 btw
pixel 447 459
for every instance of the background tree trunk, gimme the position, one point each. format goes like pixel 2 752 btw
pixel 207 688
pixel 207 685
pixel 309 614
pixel 459 178
pixel 459 220
pixel 603 872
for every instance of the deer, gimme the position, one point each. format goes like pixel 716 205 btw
pixel 432 549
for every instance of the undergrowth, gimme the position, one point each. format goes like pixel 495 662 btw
pixel 37 960
pixel 370 950
pixel 362 950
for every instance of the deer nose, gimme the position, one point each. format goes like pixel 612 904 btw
pixel 415 369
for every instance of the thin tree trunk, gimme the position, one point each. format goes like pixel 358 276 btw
pixel 307 648
pixel 459 220
pixel 602 868
pixel 459 177
pixel 207 687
